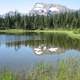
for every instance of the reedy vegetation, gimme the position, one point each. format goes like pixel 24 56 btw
pixel 66 70
pixel 67 20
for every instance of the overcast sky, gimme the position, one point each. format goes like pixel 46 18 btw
pixel 24 6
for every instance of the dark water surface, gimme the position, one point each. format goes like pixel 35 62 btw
pixel 17 52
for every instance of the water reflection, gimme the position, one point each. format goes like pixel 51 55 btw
pixel 49 40
pixel 21 51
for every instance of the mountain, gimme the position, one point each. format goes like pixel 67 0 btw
pixel 45 9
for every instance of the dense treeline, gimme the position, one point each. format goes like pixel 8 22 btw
pixel 67 20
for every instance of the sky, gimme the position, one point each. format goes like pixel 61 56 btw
pixel 23 6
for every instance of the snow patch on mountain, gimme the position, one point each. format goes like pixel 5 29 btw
pixel 45 9
pixel 39 5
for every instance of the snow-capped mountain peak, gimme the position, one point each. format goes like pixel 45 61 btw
pixel 45 9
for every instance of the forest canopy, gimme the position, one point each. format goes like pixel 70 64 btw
pixel 67 20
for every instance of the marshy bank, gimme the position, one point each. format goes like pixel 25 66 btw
pixel 68 69
pixel 75 33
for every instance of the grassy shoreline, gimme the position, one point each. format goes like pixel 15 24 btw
pixel 70 33
pixel 68 69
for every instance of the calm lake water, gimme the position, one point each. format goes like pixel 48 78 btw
pixel 17 52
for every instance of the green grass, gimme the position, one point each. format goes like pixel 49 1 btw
pixel 6 75
pixel 13 31
pixel 72 33
pixel 66 70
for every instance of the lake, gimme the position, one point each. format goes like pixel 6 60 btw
pixel 18 52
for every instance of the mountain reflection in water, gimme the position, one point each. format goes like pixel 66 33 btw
pixel 21 51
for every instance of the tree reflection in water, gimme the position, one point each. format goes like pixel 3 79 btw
pixel 46 41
